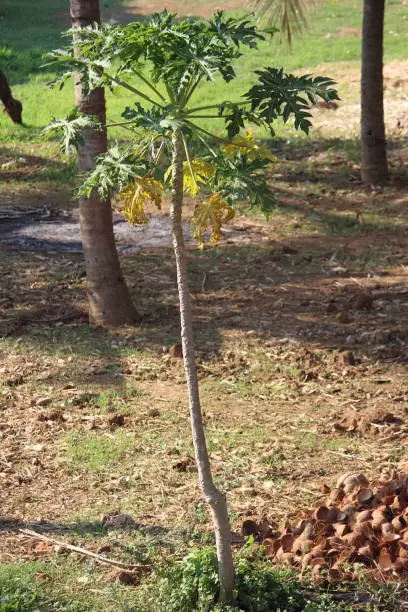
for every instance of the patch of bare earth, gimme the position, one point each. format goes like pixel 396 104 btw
pixel 302 344
pixel 345 119
pixel 182 8
pixel 299 321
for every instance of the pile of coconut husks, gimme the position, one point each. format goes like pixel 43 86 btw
pixel 360 528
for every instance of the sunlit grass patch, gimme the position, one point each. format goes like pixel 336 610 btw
pixel 63 585
pixel 98 452
pixel 41 586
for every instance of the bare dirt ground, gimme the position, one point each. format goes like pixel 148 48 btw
pixel 302 342
pixel 299 320
pixel 201 9
pixel 345 120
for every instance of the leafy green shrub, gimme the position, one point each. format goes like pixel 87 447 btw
pixel 192 586
pixel 19 599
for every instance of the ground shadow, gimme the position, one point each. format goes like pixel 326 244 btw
pixel 300 288
pixel 79 528
pixel 26 41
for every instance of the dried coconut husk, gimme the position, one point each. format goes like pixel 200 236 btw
pixel 348 513
pixel 366 551
pixel 286 542
pixel 399 504
pixel 317 551
pixel 387 529
pixel 289 558
pixel 389 538
pixel 309 530
pixel 364 496
pixel 354 540
pixel 363 516
pixel 365 529
pixel 400 566
pixel 385 560
pixel 327 515
pixel 385 495
pixel 351 481
pixel 359 526
pixel 265 529
pixel 317 572
pixel 336 496
pixel 271 546
pixel 340 529
pixel 301 526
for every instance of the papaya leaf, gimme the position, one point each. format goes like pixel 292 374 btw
pixel 279 94
pixel 132 200
pixel 247 145
pixel 211 213
pixel 113 171
pixel 199 172
pixel 70 128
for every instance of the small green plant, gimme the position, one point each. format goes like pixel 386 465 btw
pixel 192 585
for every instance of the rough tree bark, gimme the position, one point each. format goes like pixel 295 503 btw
pixel 215 499
pixel 109 299
pixel 374 170
pixel 12 107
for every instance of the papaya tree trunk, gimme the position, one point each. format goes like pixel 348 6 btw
pixel 108 295
pixel 12 107
pixel 374 170
pixel 215 499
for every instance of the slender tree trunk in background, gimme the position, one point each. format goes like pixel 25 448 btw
pixel 109 299
pixel 12 107
pixel 215 499
pixel 374 170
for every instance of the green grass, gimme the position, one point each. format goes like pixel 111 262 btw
pixel 98 452
pixel 26 588
pixel 25 40
pixel 242 449
pixel 62 585
pixel 323 49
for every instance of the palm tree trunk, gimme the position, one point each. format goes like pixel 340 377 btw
pixel 374 170
pixel 109 299
pixel 211 494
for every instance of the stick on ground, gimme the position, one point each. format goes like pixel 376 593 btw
pixel 83 551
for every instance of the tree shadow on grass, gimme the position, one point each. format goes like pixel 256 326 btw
pixel 333 162
pixel 79 528
pixel 273 279
pixel 26 41
pixel 279 289
pixel 34 180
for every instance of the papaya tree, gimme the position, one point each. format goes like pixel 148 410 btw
pixel 163 63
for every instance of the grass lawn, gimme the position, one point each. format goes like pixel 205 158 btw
pixel 93 422
pixel 333 38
